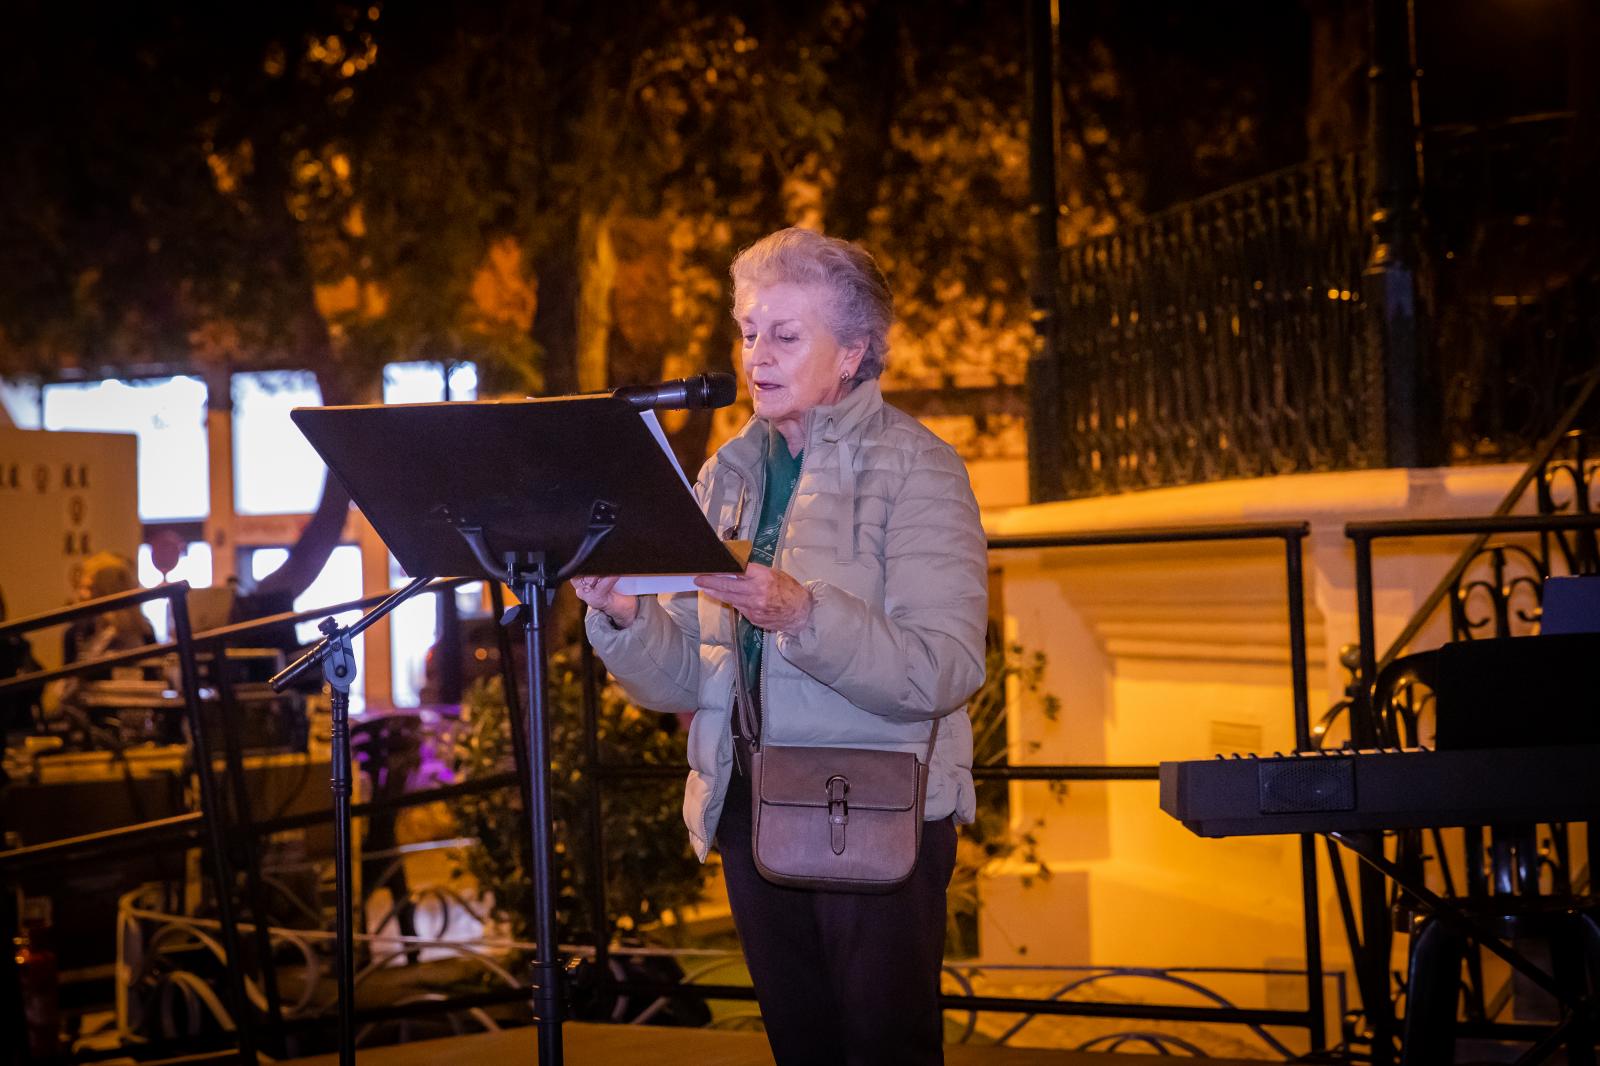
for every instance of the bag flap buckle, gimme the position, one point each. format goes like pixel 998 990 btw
pixel 838 811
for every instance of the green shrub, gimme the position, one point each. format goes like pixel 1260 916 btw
pixel 649 865
pixel 990 838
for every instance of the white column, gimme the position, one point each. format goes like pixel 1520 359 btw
pixel 220 523
pixel 379 659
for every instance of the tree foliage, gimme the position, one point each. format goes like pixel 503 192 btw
pixel 249 187
pixel 1166 101
pixel 554 190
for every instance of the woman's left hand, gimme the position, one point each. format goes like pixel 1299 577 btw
pixel 770 599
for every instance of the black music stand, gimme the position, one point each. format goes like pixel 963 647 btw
pixel 528 493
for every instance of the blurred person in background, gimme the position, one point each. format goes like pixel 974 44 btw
pixel 122 629
pixel 16 657
pixel 106 574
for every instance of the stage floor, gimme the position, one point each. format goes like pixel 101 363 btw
pixel 588 1044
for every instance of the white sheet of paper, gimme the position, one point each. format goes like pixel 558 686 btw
pixel 654 425
pixel 654 584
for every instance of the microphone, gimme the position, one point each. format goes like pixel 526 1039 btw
pixel 703 390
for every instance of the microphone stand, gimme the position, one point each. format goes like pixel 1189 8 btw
pixel 338 663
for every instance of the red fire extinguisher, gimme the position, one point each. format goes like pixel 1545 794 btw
pixel 36 972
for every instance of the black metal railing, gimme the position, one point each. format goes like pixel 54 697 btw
pixel 1233 337
pixel 187 830
pixel 1367 728
pixel 1292 536
pixel 224 822
pixel 1311 1019
pixel 1373 725
pixel 1224 338
pixel 211 823
pixel 1563 475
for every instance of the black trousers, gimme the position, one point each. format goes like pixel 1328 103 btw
pixel 842 977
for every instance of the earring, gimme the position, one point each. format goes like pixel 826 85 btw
pixel 844 377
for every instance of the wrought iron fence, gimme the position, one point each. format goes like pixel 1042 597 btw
pixel 1230 337
pixel 1224 338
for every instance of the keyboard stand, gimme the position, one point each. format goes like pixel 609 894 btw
pixel 1577 1030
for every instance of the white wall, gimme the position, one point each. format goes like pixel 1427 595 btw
pixel 1181 652
pixel 63 497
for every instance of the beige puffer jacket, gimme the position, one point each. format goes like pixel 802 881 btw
pixel 884 530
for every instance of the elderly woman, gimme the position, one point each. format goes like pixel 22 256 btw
pixel 861 619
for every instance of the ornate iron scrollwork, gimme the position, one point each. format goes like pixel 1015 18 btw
pixel 1503 603
pixel 1227 337
pixel 1405 710
pixel 1224 338
pixel 1565 486
pixel 1507 600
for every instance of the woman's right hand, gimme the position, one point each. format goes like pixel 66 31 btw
pixel 601 594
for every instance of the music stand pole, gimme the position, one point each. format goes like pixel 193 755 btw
pixel 534 580
pixel 533 585
pixel 338 662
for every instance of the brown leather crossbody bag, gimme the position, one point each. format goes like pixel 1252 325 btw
pixel 831 819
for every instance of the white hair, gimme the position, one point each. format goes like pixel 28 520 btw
pixel 860 307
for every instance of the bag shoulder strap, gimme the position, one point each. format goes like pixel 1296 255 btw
pixel 744 706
